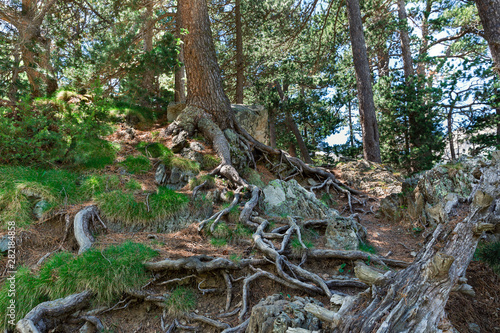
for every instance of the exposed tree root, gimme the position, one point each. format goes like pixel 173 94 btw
pixel 47 315
pixel 201 264
pixel 206 320
pixel 81 227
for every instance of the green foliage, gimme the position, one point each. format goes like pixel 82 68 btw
pixel 94 185
pixel 155 149
pixel 184 164
pixel 410 130
pixel 210 162
pixel 342 267
pixel 108 273
pixel 253 177
pixel 297 246
pixel 367 247
pixel 133 185
pixel 22 187
pixel 200 180
pixel 136 164
pixel 123 207
pixel 50 131
pixel 181 301
pixel 218 242
pixel 328 200
pixel 490 254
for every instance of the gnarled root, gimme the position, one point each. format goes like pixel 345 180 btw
pixel 81 227
pixel 47 315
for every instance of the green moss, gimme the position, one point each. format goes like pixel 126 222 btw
pixel 181 301
pixel 136 164
pixel 210 162
pixel 253 177
pixel 107 273
pixel 123 207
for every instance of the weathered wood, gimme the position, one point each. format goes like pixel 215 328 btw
pixel 201 264
pixel 46 315
pixel 81 227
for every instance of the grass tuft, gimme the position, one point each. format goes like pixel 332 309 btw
pixel 210 162
pixel 156 150
pixel 367 247
pixel 108 273
pixel 181 301
pixel 136 164
pixel 253 177
pixel 489 253
pixel 123 207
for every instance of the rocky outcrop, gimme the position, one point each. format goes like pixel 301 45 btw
pixel 274 314
pixel 174 178
pixel 429 198
pixel 373 178
pixel 254 119
pixel 282 198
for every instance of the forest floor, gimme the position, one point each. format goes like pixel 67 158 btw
pixel 385 237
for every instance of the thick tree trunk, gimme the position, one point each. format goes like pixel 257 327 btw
pixel 180 73
pixel 371 145
pixel 205 88
pixel 148 76
pixel 489 13
pixel 239 54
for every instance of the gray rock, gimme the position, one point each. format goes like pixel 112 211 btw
pixel 40 208
pixel 344 233
pixel 192 155
pixel 4 243
pixel 274 314
pixel 196 146
pixel 179 141
pixel 174 178
pixel 254 119
pixel 282 198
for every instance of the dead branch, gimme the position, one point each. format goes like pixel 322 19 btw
pixel 201 264
pixel 229 290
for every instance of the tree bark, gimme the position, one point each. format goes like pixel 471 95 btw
pixel 371 145
pixel 304 152
pixel 405 41
pixel 239 54
pixel 450 133
pixel 489 13
pixel 148 76
pixel 205 89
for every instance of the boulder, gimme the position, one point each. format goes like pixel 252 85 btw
pixel 281 198
pixel 174 178
pixel 344 233
pixel 274 314
pixel 4 243
pixel 254 119
pixel 40 208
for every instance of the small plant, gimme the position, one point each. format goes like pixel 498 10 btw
pixel 367 247
pixel 341 268
pixel 218 242
pixel 236 258
pixel 133 185
pixel 155 150
pixel 136 164
pixel 327 200
pixel 155 134
pixel 253 177
pixel 108 273
pixel 297 246
pixel 209 162
pixel 181 301
pixel 489 253
pixel 222 230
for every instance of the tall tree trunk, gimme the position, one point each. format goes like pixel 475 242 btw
pixel 205 89
pixel 450 133
pixel 405 41
pixel 272 127
pixel 239 54
pixel 351 134
pixel 425 40
pixel 489 13
pixel 304 152
pixel 180 86
pixel 498 125
pixel 148 76
pixel 371 145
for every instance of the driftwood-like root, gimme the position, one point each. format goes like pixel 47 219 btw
pixel 81 227
pixel 46 315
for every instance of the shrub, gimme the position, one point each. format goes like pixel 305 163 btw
pixel 490 254
pixel 108 273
